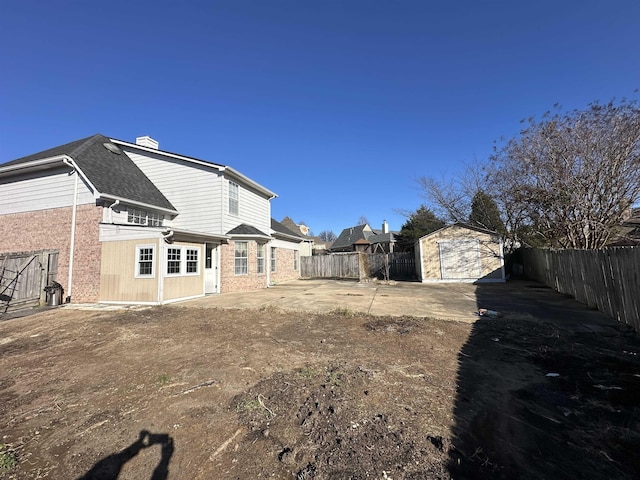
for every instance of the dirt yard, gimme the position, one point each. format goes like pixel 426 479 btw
pixel 198 393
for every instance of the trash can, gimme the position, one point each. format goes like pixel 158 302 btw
pixel 54 294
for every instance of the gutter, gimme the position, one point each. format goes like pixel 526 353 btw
pixel 146 206
pixel 33 165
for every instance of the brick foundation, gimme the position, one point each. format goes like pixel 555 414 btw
pixel 51 229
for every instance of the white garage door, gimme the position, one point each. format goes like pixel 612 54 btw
pixel 460 259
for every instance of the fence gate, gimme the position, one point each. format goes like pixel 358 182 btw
pixel 23 277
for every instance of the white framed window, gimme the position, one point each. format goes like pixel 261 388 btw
pixel 145 255
pixel 173 261
pixel 192 260
pixel 296 259
pixel 260 257
pixel 142 217
pixel 241 258
pixel 234 198
pixel 273 259
pixel 183 260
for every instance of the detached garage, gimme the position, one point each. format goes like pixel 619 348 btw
pixel 460 253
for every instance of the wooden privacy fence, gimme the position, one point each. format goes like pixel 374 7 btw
pixel 607 279
pixel 23 277
pixel 359 265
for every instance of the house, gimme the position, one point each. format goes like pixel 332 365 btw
pixel 362 238
pixel 285 253
pixel 307 246
pixel 134 224
pixel 460 253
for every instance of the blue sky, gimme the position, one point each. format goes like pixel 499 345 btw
pixel 336 105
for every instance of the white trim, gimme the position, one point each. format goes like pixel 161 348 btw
pixel 134 203
pixel 235 242
pixel 34 164
pixel 136 273
pixel 183 261
pixel 183 299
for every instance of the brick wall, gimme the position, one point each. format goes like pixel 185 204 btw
pixel 50 229
pixel 229 281
pixel 284 266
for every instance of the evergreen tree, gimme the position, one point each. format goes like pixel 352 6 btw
pixel 485 213
pixel 419 223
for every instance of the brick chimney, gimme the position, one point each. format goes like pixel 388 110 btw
pixel 148 142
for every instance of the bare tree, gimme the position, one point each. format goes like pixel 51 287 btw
pixel 569 179
pixel 362 220
pixel 327 236
pixel 452 198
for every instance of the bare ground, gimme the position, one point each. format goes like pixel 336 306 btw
pixel 195 393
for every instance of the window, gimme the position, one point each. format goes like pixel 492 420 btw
pixel 144 261
pixel 183 261
pixel 296 259
pixel 154 219
pixel 173 261
pixel 192 260
pixel 260 256
pixel 142 217
pixel 241 258
pixel 136 216
pixel 234 198
pixel 273 259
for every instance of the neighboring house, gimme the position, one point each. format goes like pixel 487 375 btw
pixel 628 234
pixel 135 224
pixel 308 245
pixel 362 238
pixel 460 253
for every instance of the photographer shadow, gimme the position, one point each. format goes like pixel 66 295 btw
pixel 109 468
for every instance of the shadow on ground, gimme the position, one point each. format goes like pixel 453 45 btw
pixel 110 467
pixel 549 389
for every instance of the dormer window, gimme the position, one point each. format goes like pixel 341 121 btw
pixel 142 217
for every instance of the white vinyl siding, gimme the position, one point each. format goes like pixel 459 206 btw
pixel 194 190
pixel 201 195
pixel 30 192
pixel 255 210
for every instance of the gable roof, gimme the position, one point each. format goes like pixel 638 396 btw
pixel 279 230
pixel 462 225
pixel 389 237
pixel 108 169
pixel 351 235
pixel 244 230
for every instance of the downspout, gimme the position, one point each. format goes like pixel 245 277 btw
pixel 73 230
pixel 267 256
pixel 166 238
pixel 114 204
